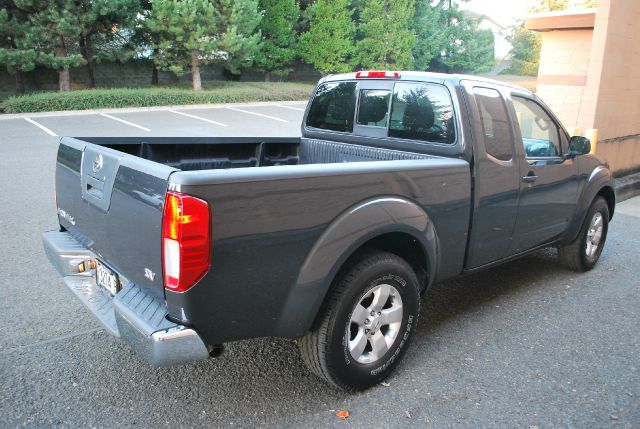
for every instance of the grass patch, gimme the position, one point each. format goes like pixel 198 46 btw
pixel 212 92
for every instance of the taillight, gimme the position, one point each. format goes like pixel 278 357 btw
pixel 377 74
pixel 186 241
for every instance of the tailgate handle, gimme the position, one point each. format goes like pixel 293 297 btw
pixel 98 174
pixel 95 187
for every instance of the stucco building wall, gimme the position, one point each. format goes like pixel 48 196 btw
pixel 589 74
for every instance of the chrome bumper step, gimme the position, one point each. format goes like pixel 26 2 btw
pixel 133 315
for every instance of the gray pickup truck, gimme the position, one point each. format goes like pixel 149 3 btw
pixel 400 180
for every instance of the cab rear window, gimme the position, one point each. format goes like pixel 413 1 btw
pixel 418 111
pixel 422 112
pixel 333 107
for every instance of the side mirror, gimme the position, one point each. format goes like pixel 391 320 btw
pixel 579 145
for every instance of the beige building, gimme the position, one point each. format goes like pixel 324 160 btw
pixel 590 74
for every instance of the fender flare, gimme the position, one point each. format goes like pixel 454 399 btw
pixel 341 238
pixel 599 179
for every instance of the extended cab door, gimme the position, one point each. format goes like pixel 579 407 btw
pixel 549 181
pixel 496 175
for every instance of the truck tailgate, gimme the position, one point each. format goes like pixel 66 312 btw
pixel 112 203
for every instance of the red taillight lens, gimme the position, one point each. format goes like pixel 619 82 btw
pixel 186 241
pixel 378 74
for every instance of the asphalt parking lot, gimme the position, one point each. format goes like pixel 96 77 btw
pixel 526 345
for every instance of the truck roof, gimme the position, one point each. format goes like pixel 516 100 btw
pixel 421 76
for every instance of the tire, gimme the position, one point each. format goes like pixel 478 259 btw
pixel 583 253
pixel 335 351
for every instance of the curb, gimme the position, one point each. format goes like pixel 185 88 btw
pixel 627 187
pixel 6 116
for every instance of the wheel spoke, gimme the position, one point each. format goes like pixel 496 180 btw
pixel 391 315
pixel 357 345
pixel 597 236
pixel 597 220
pixel 380 297
pixel 378 346
pixel 359 315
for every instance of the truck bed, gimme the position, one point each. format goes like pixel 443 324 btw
pixel 211 153
pixel 265 221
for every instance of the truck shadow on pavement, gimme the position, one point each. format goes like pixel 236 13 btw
pixel 470 293
pixel 264 380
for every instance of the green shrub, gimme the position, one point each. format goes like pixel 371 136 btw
pixel 213 92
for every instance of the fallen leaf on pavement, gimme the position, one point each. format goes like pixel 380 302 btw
pixel 343 414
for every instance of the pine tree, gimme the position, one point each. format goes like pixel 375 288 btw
pixel 452 38
pixel 54 26
pixel 15 52
pixel 431 33
pixel 189 33
pixel 277 27
pixel 103 30
pixel 329 45
pixel 386 37
pixel 525 51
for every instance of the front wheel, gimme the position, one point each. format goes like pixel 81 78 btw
pixel 583 253
pixel 367 323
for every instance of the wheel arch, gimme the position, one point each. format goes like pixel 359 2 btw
pixel 391 224
pixel 599 183
pixel 609 195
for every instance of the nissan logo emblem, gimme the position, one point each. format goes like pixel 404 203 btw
pixel 98 163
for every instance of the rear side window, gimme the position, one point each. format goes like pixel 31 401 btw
pixel 495 124
pixel 333 107
pixel 422 112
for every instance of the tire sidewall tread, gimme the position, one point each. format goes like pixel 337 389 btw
pixel 325 350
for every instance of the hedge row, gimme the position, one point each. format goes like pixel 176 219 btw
pixel 213 92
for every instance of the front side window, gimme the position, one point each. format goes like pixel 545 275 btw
pixel 495 123
pixel 333 107
pixel 422 112
pixel 540 135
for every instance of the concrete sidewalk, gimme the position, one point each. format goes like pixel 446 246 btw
pixel 627 187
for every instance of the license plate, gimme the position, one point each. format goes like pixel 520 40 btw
pixel 107 279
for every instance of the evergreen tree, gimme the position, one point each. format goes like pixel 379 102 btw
pixel 328 45
pixel 54 26
pixel 525 51
pixel 189 33
pixel 277 49
pixel 449 40
pixel 470 49
pixel 431 33
pixel 104 30
pixel 386 38
pixel 15 52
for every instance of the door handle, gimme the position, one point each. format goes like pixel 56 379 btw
pixel 530 178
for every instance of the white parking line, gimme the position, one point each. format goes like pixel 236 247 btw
pixel 291 107
pixel 42 127
pixel 198 117
pixel 257 114
pixel 125 122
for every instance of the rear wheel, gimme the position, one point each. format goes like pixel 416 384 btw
pixel 583 253
pixel 367 323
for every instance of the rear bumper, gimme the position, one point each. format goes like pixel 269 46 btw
pixel 136 317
